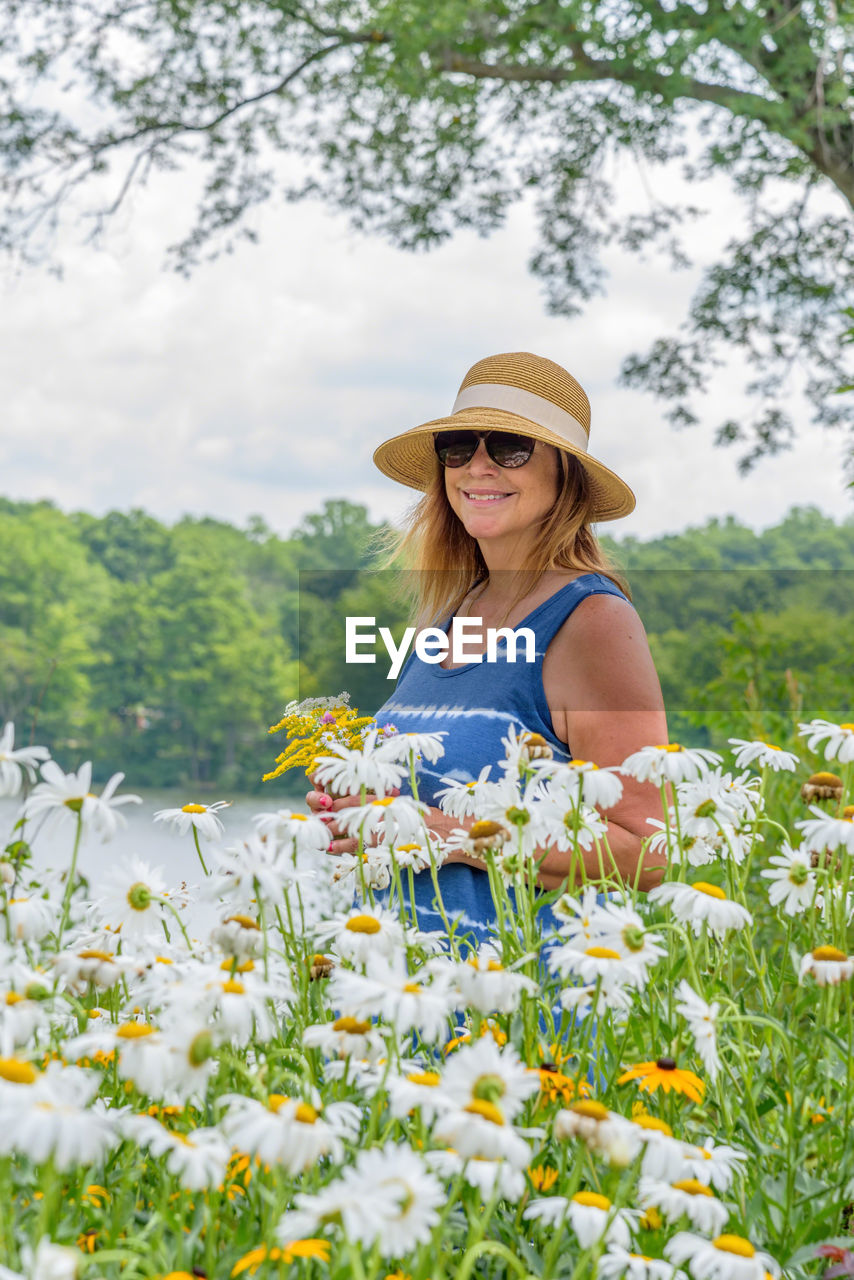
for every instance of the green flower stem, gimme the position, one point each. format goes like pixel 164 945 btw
pixel 69 887
pixel 485 1248
pixel 198 847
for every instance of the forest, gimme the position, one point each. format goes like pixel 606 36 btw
pixel 169 650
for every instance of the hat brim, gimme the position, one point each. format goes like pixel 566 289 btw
pixel 411 459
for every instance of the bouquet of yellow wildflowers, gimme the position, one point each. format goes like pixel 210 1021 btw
pixel 312 726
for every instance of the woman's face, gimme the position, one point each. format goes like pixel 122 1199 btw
pixel 503 506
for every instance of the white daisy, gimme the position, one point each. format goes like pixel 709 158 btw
pixel 345 1037
pixel 66 797
pixel 483 1072
pixel 702 1019
pixel 198 1159
pixel 400 746
pixel 30 917
pixel 407 1002
pixel 92 966
pixel 418 1089
pixel 55 1118
pixel 252 868
pixel 618 1264
pixel 348 769
pixel 49 1261
pixel 596 998
pixel 603 1131
pixel 828 965
pixel 713 1163
pixel 597 787
pixel 289 1132
pixel 393 819
pixel 793 880
pixel 688 1198
pixel 362 932
pixel 485 985
pixel 727 1257
pixel 597 963
pixel 584 919
pixel 463 799
pixel 239 936
pixel 201 816
pixel 838 737
pixel 824 832
pixel 372 866
pixel 133 899
pixel 670 763
pixel 765 754
pixel 486 1176
pixel 303 833
pixel 700 904
pixel 591 1216
pixel 388 1197
pixel 481 1131
pixel 15 765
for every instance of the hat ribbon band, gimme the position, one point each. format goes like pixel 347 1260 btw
pixel 495 395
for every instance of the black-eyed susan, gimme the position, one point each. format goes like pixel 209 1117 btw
pixel 664 1074
pixel 309 1248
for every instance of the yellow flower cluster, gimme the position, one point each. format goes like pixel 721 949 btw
pixel 312 726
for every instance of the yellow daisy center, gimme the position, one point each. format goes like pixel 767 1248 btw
pixel 828 953
pixel 91 953
pixel 669 746
pixel 711 890
pixel 692 1187
pixel 363 924
pixel 653 1123
pixel 305 1114
pixel 195 808
pixel 234 988
pixel 16 1071
pixel 602 953
pixel 734 1244
pixel 486 1110
pixel 429 1078
pixel 589 1108
pixel 134 1030
pixel 592 1199
pixel 353 1026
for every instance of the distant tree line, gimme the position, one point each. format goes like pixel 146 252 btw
pixel 167 651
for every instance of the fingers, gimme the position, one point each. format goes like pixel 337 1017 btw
pixel 337 847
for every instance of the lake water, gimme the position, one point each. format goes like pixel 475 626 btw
pixel 157 843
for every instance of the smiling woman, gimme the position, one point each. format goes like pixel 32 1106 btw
pixel 505 530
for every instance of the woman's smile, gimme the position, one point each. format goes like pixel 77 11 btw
pixel 503 507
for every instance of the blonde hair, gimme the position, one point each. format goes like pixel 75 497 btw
pixel 445 562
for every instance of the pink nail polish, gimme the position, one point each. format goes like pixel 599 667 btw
pixel 325 801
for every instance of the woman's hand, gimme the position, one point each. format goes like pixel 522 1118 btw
pixel 325 807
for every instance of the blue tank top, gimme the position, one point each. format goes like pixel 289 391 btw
pixel 477 704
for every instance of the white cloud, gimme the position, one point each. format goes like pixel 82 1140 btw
pixel 263 384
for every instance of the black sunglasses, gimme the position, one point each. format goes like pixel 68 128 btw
pixel 456 448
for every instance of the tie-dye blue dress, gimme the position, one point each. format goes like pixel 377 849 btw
pixel 477 704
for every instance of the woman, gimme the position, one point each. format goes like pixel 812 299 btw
pixel 503 533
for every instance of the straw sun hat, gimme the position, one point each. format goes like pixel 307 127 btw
pixel 517 392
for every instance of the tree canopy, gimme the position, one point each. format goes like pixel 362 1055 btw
pixel 167 651
pixel 418 117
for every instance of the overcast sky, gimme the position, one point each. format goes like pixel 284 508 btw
pixel 262 384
